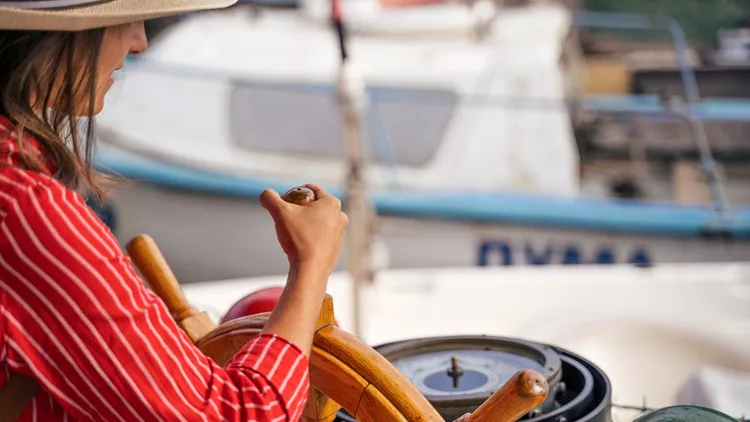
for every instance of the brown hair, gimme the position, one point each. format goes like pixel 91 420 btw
pixel 42 71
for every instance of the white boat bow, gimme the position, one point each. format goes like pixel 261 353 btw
pixel 658 333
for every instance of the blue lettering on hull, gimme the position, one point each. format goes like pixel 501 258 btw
pixel 508 254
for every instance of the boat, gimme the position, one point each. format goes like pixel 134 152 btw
pixel 471 153
pixel 632 340
pixel 590 343
pixel 599 344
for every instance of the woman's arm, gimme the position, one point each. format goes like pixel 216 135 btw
pixel 311 236
pixel 107 349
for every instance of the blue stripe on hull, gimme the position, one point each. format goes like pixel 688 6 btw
pixel 608 215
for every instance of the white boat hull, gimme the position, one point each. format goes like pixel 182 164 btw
pixel 262 90
pixel 212 236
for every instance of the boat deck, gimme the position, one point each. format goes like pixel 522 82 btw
pixel 648 329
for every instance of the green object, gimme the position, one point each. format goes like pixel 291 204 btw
pixel 685 414
pixel 700 19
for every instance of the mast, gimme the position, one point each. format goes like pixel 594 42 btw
pixel 351 96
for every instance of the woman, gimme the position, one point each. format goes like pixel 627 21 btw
pixel 75 317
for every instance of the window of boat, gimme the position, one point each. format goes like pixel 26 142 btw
pixel 405 126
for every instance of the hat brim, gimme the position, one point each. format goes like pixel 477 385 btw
pixel 100 15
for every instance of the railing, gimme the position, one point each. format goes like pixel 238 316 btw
pixel 686 111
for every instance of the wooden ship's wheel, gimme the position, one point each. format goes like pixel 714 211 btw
pixel 344 371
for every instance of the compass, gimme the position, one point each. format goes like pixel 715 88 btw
pixel 458 373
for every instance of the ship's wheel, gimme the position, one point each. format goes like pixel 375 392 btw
pixel 344 371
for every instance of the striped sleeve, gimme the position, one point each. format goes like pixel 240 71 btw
pixel 78 318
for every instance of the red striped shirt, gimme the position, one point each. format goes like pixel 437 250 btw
pixel 75 316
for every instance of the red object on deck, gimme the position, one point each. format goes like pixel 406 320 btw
pixel 259 301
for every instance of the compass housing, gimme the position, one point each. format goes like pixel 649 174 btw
pixel 579 391
pixel 484 364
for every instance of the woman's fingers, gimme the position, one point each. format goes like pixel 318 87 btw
pixel 319 192
pixel 271 201
pixel 322 195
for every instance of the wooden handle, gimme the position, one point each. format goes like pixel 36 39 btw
pixel 526 390
pixel 153 267
pixel 319 407
pixel 150 262
pixel 299 195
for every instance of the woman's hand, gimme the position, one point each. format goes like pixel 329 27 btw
pixel 310 234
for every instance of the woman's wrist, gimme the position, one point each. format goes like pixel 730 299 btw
pixel 309 279
pixel 309 269
pixel 296 313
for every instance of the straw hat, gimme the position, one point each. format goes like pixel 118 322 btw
pixel 75 15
